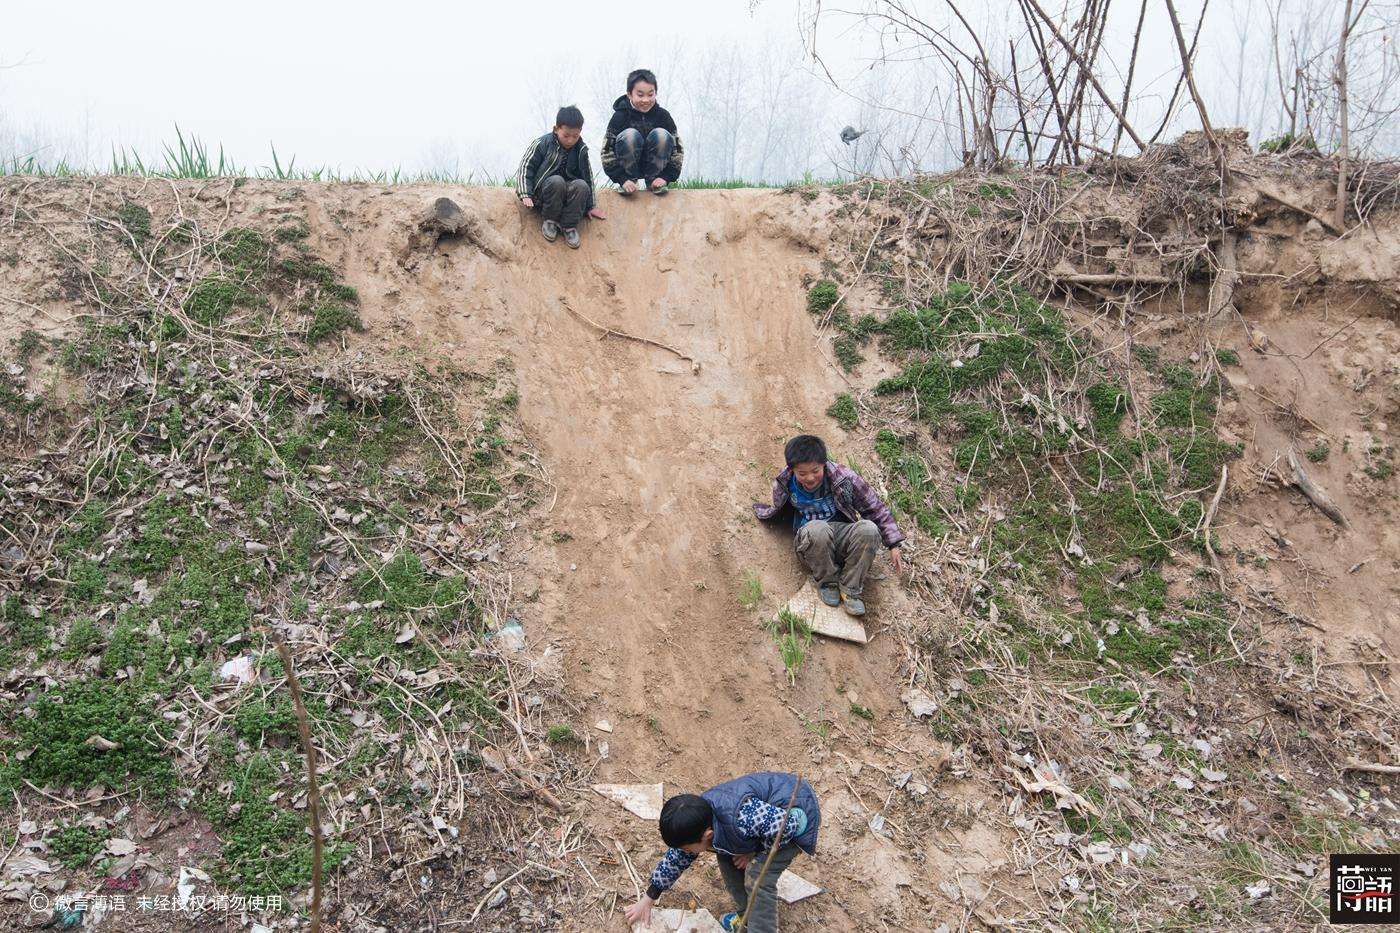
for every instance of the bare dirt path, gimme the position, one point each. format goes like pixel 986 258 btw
pixel 655 465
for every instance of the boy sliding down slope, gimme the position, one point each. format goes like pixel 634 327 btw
pixel 556 178
pixel 838 520
pixel 738 821
pixel 641 143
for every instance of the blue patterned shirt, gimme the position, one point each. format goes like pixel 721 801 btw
pixel 757 820
pixel 818 506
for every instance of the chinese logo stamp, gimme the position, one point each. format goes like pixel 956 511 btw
pixel 1363 888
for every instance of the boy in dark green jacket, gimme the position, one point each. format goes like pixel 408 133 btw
pixel 556 178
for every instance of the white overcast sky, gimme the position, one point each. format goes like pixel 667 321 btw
pixel 362 86
pixel 355 84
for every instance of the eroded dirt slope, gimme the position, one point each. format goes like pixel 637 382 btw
pixel 654 466
pixel 631 565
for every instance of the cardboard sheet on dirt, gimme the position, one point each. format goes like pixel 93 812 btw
pixel 830 621
pixel 671 920
pixel 644 800
pixel 793 888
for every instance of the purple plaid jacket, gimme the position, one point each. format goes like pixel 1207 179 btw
pixel 854 499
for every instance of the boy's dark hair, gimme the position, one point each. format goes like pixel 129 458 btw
pixel 805 448
pixel 569 116
pixel 641 74
pixel 684 819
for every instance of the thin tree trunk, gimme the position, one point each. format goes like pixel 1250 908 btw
pixel 1021 105
pixel 1038 40
pixel 989 106
pixel 1339 210
pixel 1196 96
pixel 1089 72
pixel 1132 66
pixel 1293 111
pixel 1176 91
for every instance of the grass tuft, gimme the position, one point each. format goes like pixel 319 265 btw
pixel 751 591
pixel 794 637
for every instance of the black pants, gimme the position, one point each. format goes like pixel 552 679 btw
pixel 563 201
pixel 644 158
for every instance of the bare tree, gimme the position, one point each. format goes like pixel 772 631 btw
pixel 1339 210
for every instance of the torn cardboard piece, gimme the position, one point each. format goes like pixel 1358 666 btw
pixel 793 888
pixel 671 920
pixel 644 800
pixel 830 621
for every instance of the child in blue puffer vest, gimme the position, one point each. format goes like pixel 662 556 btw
pixel 738 821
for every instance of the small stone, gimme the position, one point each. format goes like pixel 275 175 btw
pixel 920 704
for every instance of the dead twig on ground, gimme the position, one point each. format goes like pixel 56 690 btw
pixel 313 784
pixel 610 332
pixel 1210 516
pixel 1314 493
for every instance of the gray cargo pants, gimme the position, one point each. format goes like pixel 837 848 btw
pixel 563 201
pixel 851 545
pixel 765 905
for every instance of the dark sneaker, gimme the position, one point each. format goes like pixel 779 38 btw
pixel 550 229
pixel 571 237
pixel 830 594
pixel 853 605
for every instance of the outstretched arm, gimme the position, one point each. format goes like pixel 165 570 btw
pixel 592 189
pixel 666 873
pixel 871 506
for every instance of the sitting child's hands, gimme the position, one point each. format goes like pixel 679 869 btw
pixel 597 214
pixel 658 182
pixel 896 560
pixel 528 202
pixel 639 912
pixel 741 862
pixel 629 186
